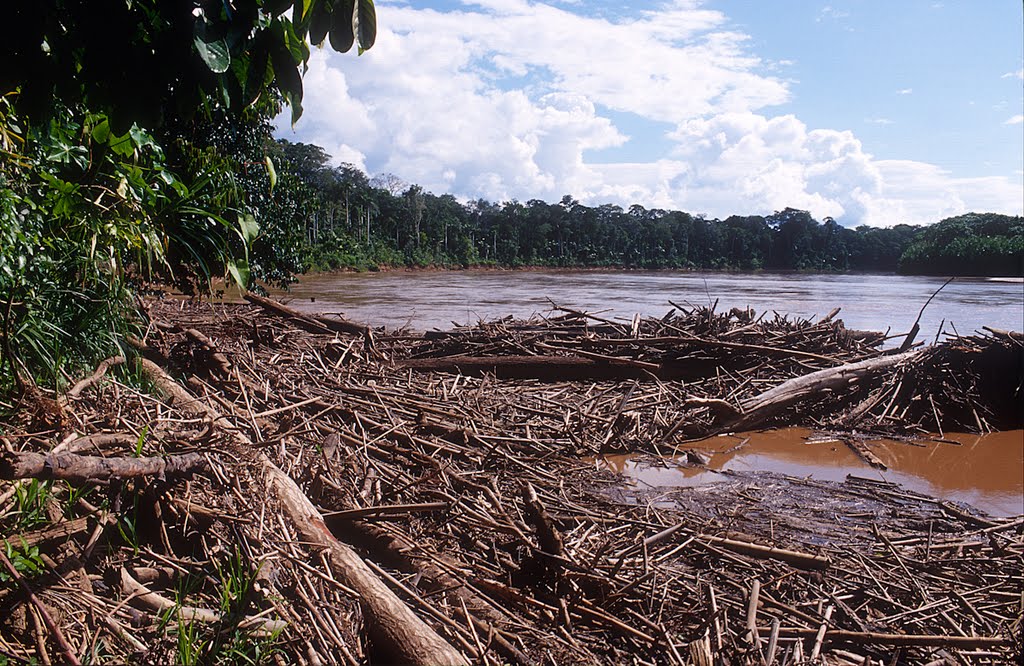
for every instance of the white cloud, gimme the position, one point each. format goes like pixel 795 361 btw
pixel 828 12
pixel 879 121
pixel 1015 120
pixel 905 91
pixel 504 99
pixel 1019 74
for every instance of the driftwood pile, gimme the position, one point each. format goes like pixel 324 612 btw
pixel 291 491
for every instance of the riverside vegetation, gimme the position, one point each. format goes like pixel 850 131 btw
pixel 181 483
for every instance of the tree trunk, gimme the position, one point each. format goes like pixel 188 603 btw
pixel 392 625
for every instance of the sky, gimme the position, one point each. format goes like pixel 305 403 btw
pixel 873 112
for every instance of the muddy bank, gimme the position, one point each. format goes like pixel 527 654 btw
pixel 460 518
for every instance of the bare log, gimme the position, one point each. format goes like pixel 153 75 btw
pixel 74 468
pixel 313 323
pixel 391 623
pixel 547 534
pixel 757 410
pixel 219 359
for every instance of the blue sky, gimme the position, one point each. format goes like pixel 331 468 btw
pixel 871 112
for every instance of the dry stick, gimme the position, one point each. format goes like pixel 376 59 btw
pixel 152 601
pixel 101 370
pixel 389 619
pixel 755 591
pixel 51 626
pixel 756 550
pixel 820 637
pixel 77 469
pixel 909 340
pixel 386 510
pixel 773 642
pixel 905 640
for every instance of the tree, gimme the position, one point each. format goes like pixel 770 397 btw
pixel 141 61
pixel 105 173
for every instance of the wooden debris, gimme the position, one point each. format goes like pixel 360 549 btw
pixel 468 506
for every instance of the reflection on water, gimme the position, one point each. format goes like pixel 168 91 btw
pixel 986 471
pixel 435 299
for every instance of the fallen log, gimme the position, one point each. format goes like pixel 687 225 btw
pixel 74 468
pixel 755 411
pixel 542 368
pixel 313 323
pixel 392 625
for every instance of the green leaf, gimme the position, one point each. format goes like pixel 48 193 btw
pixel 319 23
pixel 256 72
pixel 288 79
pixel 366 22
pixel 239 272
pixel 342 29
pixel 122 145
pixel 248 228
pixel 101 132
pixel 300 14
pixel 214 51
pixel 271 172
pixel 276 7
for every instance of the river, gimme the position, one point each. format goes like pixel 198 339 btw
pixel 437 299
pixel 987 472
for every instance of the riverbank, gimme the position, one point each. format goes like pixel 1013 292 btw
pixel 463 516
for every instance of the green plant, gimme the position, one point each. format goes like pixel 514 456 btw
pixel 226 642
pixel 127 525
pixel 30 501
pixel 141 441
pixel 26 560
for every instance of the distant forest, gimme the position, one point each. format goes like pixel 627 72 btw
pixel 348 220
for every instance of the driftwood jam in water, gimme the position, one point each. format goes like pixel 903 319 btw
pixel 453 490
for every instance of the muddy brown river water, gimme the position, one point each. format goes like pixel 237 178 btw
pixel 435 299
pixel 985 471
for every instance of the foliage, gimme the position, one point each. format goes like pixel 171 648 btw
pixel 355 222
pixel 145 61
pixel 26 560
pixel 30 505
pixel 228 642
pixel 972 244
pixel 351 221
pixel 93 203
pixel 85 215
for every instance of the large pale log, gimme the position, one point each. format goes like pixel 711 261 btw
pixel 755 411
pixel 392 625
